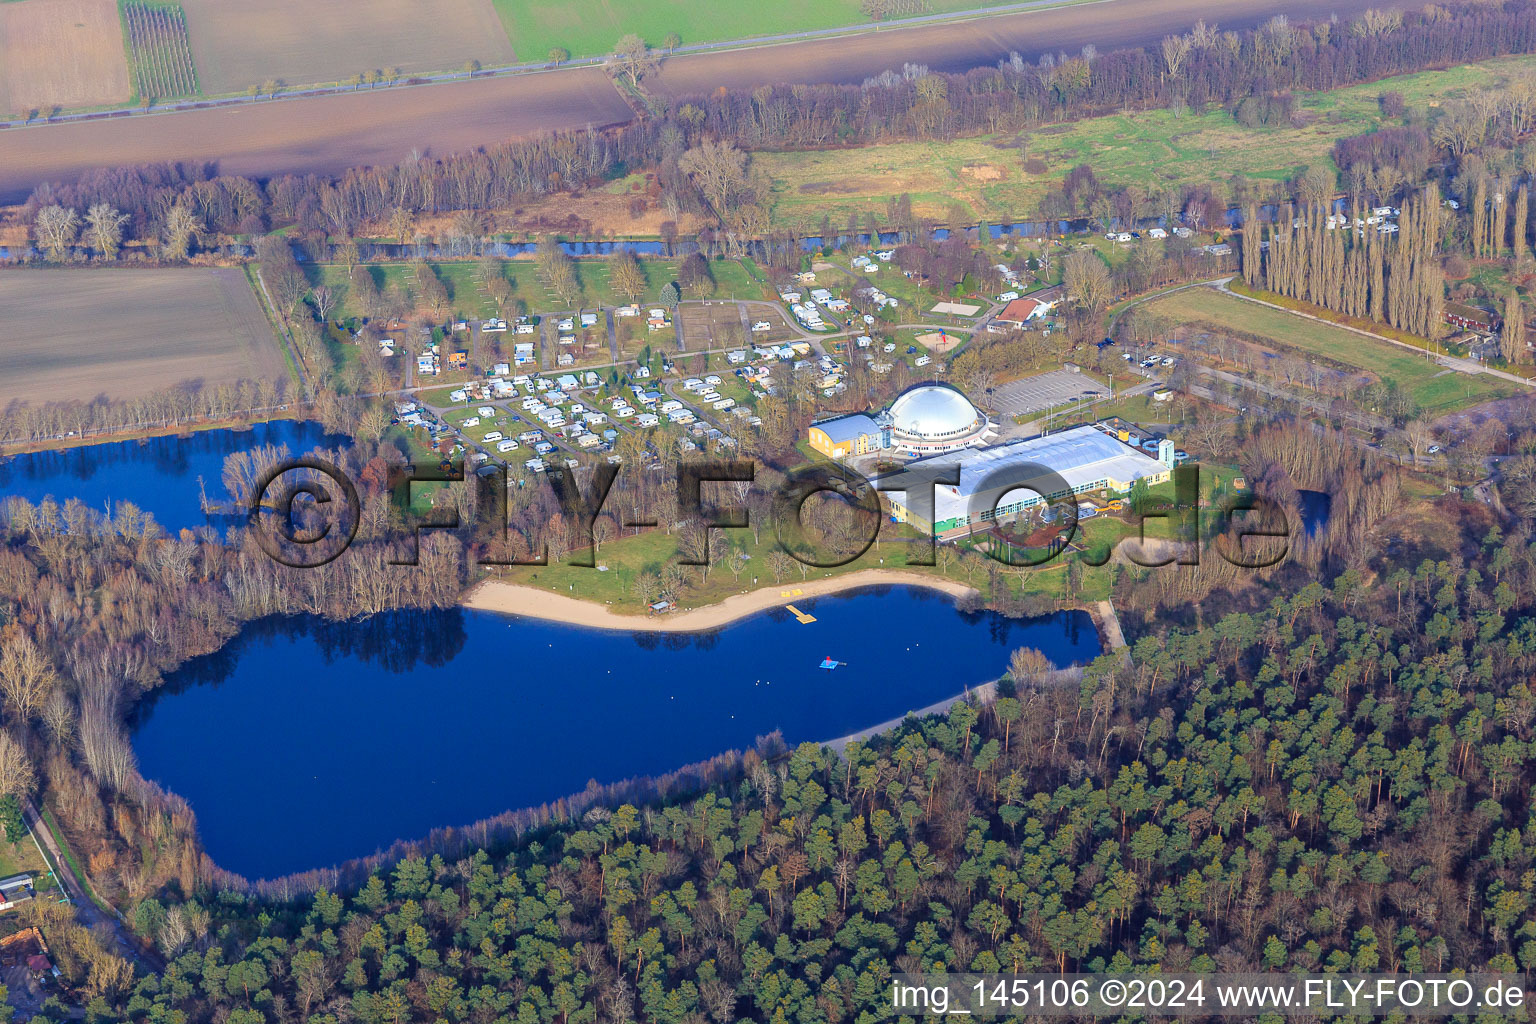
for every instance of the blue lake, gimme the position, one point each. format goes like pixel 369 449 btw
pixel 305 743
pixel 158 475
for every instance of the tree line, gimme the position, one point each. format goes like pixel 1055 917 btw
pixel 1321 257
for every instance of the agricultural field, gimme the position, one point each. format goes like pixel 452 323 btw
pixel 76 335
pixel 716 325
pixel 986 178
pixel 315 134
pixel 1435 389
pixel 294 42
pixel 158 50
pixel 591 27
pixel 65 53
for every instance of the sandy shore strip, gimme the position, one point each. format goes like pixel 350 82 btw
pixel 514 599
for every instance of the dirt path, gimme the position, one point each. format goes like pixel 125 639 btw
pixel 982 694
pixel 1108 621
pixel 86 910
pixel 1456 363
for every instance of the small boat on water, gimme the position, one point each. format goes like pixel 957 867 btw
pixel 829 664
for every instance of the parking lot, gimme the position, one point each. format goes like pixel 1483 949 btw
pixel 1035 394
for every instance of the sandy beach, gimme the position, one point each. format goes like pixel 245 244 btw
pixel 513 599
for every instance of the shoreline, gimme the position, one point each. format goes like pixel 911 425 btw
pixel 10 449
pixel 534 603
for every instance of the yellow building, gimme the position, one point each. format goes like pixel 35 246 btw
pixel 845 436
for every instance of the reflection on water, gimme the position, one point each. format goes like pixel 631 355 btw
pixel 1315 508
pixel 159 475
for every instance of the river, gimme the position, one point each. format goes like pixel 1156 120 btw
pixel 305 743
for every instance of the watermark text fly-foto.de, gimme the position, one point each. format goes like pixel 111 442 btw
pixel 1231 994
pixel 305 512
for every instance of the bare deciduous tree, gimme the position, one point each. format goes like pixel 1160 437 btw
pixel 628 278
pixel 55 229
pixel 59 716
pixel 1087 279
pixel 104 229
pixel 325 301
pixel 633 58
pixel 16 776
pixel 1029 667
pixel 1418 437
pixel 1175 50
pixel 26 677
pixel 719 171
pixel 181 228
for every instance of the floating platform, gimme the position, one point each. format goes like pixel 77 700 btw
pixel 829 664
pixel 802 616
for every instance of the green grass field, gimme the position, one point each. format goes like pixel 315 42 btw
pixel 24 856
pixel 588 28
pixel 627 557
pixel 1433 388
pixel 914 299
pixel 1152 149
pixel 467 297
pixel 1135 409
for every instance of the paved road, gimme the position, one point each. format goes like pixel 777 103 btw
pixel 529 67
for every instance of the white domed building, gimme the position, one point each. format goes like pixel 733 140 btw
pixel 934 418
pixel 929 419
